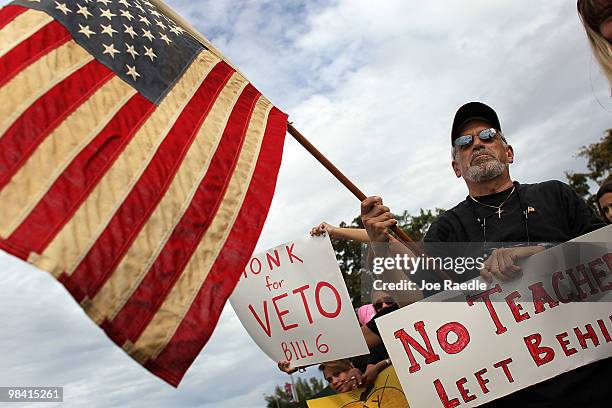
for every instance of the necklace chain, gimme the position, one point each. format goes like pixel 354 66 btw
pixel 497 207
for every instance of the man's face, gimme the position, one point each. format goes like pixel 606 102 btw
pixel 482 160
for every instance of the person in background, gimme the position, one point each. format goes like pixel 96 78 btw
pixel 338 373
pixel 365 313
pixel 604 200
pixel 596 17
pixel 342 376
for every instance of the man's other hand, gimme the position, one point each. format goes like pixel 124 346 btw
pixel 503 263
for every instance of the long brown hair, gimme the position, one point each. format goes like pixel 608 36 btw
pixel 592 13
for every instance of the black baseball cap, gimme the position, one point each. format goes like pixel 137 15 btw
pixel 473 111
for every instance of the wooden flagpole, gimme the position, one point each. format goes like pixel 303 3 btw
pixel 338 174
pixel 403 237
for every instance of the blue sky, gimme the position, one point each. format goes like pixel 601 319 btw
pixel 374 85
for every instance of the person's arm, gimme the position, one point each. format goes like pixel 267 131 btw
pixel 353 234
pixel 369 375
pixel 372 339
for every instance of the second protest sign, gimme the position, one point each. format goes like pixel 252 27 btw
pixel 293 302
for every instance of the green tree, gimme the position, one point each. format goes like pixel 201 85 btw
pixel 599 165
pixel 304 389
pixel 349 253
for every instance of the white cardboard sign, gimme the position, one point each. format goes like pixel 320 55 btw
pixel 293 302
pixel 474 350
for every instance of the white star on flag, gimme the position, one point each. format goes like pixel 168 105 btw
pixel 147 33
pixel 83 10
pixel 126 14
pixel 129 30
pixel 63 8
pixel 108 30
pixel 110 50
pixel 145 20
pixel 86 31
pixel 149 52
pixel 131 50
pixel 108 14
pixel 132 72
pixel 165 38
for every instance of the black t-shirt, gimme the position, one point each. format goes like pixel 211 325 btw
pixel 556 214
pixel 532 214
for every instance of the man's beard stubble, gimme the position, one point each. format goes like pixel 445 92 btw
pixel 485 170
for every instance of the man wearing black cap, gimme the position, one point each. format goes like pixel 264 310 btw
pixel 499 210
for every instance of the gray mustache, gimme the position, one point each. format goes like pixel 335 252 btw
pixel 482 150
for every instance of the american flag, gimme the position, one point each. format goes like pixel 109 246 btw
pixel 136 165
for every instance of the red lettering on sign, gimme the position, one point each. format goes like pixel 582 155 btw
pixel 608 258
pixel 504 365
pixel 599 273
pixel 443 397
pixel 465 393
pixel 286 351
pixel 556 277
pixel 336 312
pixel 265 328
pixel 590 334
pixel 463 337
pixel 578 282
pixel 290 253
pixel 273 259
pixel 485 296
pixel 563 342
pixel 301 290
pixel 604 330
pixel 516 309
pixel 536 351
pixel 482 381
pixel 281 313
pixel 408 342
pixel 540 296
pixel 258 267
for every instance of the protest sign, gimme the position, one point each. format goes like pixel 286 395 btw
pixel 386 393
pixel 293 302
pixel 490 343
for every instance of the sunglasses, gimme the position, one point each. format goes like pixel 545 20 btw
pixel 485 135
pixel 378 306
